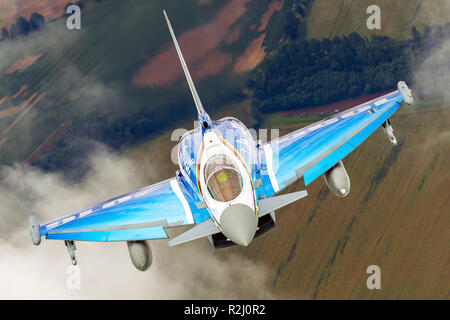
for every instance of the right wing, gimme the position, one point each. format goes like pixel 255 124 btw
pixel 309 152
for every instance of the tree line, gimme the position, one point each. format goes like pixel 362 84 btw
pixel 22 27
pixel 307 73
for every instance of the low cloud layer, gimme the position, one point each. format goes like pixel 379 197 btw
pixel 192 270
pixel 432 77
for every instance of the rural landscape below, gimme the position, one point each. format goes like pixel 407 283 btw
pixel 90 114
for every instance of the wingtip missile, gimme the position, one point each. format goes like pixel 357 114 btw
pixel 405 92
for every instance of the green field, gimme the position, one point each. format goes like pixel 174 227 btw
pixel 333 18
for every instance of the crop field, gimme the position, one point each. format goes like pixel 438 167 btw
pixel 12 9
pixel 389 219
pixel 322 244
pixel 332 18
pixel 106 69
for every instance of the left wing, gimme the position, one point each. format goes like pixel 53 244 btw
pixel 311 151
pixel 139 215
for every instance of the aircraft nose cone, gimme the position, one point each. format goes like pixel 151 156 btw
pixel 239 223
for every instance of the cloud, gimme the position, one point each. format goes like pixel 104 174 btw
pixel 65 74
pixel 72 90
pixel 193 270
pixel 432 77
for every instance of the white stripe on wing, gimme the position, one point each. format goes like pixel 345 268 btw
pixel 176 189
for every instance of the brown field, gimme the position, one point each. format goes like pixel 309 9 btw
pixel 396 217
pixel 10 10
pixel 252 56
pixel 197 45
pixel 212 64
pixel 22 89
pixel 21 64
pixel 275 5
pixel 199 48
pixel 12 111
pixel 233 35
pixel 19 92
pixel 28 105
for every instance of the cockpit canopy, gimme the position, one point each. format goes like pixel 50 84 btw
pixel 223 179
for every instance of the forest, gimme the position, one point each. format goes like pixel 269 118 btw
pixel 306 73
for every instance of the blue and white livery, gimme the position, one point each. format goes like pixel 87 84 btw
pixel 227 184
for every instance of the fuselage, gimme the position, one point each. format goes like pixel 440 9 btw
pixel 219 164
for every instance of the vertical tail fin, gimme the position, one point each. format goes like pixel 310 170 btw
pixel 197 101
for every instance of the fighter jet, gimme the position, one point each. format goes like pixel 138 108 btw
pixel 228 185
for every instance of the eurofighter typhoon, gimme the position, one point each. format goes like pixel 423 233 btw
pixel 227 185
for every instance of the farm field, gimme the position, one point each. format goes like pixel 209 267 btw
pixel 106 70
pixel 332 18
pixel 106 74
pixel 12 9
pixel 322 244
pixel 97 83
